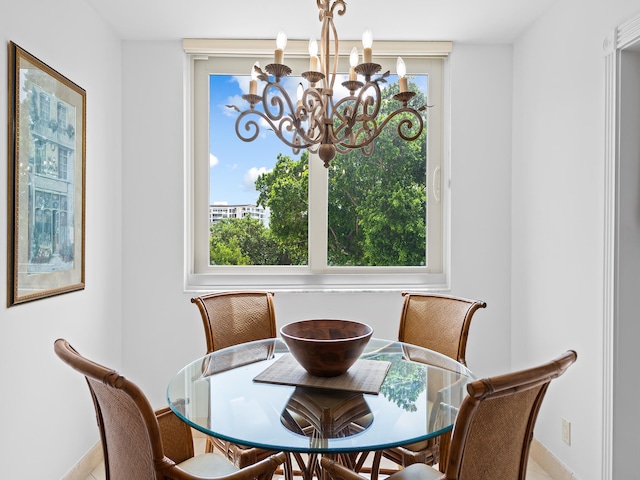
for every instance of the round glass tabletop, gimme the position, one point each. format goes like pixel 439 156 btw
pixel 255 394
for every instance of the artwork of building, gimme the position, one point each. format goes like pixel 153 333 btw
pixel 51 153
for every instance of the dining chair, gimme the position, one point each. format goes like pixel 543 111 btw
pixel 141 444
pixel 439 323
pixel 493 430
pixel 232 318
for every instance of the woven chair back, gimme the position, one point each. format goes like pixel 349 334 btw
pixel 232 318
pixel 438 322
pixel 128 427
pixel 494 428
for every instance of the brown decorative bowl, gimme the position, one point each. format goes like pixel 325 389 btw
pixel 326 348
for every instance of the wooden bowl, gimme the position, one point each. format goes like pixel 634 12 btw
pixel 326 348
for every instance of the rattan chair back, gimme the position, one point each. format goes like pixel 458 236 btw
pixel 231 318
pixel 137 442
pixel 494 427
pixel 128 427
pixel 438 322
pixel 493 430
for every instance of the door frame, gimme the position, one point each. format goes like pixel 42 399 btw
pixel 622 37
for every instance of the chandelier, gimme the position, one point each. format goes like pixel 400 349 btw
pixel 317 121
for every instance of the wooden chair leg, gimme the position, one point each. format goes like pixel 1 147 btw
pixel 287 468
pixel 307 470
pixel 209 446
pixel 375 465
pixel 445 440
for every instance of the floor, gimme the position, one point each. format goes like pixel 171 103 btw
pixel 534 472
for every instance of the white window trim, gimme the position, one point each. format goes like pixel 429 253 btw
pixel 309 278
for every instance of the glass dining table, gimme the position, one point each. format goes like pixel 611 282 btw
pixel 233 394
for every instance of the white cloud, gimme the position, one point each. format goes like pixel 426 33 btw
pixel 237 101
pixel 213 160
pixel 243 82
pixel 250 177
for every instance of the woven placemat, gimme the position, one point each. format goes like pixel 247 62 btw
pixel 365 376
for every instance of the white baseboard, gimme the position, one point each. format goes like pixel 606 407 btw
pixel 86 465
pixel 89 462
pixel 550 463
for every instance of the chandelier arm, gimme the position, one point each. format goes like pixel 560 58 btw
pixel 252 126
pixel 313 108
pixel 372 133
pixel 341 4
pixel 324 46
pixel 363 101
pixel 343 129
pixel 249 125
pixel 292 122
pixel 407 123
pixel 270 99
pixel 376 101
pixel 344 112
pixel 335 53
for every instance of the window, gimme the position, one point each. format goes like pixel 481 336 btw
pixel 402 236
pixel 45 107
pixel 63 161
pixel 62 116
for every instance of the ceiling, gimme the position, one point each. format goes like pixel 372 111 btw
pixel 477 21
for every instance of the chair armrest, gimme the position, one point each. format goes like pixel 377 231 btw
pixel 417 471
pixel 177 440
pixel 337 471
pixel 262 470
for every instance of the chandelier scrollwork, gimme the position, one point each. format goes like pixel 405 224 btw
pixel 317 121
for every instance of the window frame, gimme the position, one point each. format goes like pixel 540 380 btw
pixel 316 276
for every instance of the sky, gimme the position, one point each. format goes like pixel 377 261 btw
pixel 235 164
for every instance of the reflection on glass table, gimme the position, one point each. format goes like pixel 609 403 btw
pixel 418 399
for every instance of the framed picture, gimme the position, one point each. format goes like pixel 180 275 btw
pixel 46 180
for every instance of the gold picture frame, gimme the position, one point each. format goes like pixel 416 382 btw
pixel 46 192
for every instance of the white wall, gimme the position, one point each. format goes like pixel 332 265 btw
pixel 46 412
pixel 557 215
pixel 481 92
pixel 162 330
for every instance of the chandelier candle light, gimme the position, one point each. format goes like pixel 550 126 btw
pixel 317 121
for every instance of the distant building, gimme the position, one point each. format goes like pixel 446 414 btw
pixel 218 212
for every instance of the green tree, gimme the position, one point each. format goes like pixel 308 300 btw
pixel 404 393
pixel 377 204
pixel 242 241
pixel 284 190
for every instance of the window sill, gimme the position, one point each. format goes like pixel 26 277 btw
pixel 317 283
